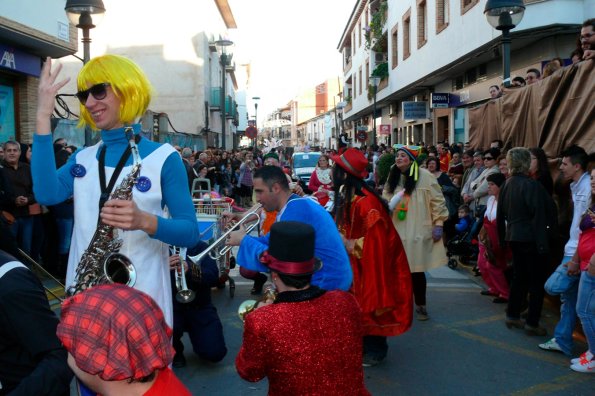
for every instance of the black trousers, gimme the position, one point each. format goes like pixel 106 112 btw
pixel 204 328
pixel 375 347
pixel 529 275
pixel 419 283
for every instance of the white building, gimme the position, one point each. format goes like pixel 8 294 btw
pixel 173 42
pixel 431 47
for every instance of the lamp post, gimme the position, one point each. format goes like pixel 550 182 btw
pixel 374 80
pixel 224 59
pixel 80 13
pixel 255 99
pixel 505 15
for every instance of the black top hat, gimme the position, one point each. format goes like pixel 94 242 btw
pixel 291 249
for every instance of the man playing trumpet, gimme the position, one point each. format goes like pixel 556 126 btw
pixel 273 193
pixel 198 316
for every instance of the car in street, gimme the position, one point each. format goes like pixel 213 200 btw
pixel 303 164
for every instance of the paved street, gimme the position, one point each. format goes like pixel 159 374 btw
pixel 464 349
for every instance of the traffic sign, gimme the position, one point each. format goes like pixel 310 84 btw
pixel 251 132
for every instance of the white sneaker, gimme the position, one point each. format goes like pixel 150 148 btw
pixel 585 356
pixel 551 345
pixel 585 364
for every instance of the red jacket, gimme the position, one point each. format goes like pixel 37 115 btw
pixel 305 344
pixel 381 275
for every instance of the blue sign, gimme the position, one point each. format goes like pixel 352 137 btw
pixel 439 100
pixel 415 110
pixel 444 100
pixel 19 61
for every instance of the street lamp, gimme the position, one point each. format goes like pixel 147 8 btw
pixel 80 13
pixel 505 15
pixel 224 60
pixel 255 99
pixel 374 80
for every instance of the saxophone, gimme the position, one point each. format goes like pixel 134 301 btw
pixel 101 262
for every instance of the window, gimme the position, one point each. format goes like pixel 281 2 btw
pixel 466 5
pixel 406 34
pixel 367 73
pixel 359 34
pixel 354 86
pixel 441 15
pixel 422 37
pixel 394 58
pixel 471 76
pixel 359 81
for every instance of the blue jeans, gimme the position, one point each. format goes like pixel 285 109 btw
pixel 64 234
pixel 585 307
pixel 22 229
pixel 565 327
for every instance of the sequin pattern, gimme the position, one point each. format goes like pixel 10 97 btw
pixel 312 347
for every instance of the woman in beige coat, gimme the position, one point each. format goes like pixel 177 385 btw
pixel 419 212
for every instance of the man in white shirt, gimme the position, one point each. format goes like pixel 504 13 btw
pixel 573 167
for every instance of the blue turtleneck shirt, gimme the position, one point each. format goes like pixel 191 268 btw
pixel 52 186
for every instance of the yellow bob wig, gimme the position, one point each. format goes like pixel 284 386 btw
pixel 128 82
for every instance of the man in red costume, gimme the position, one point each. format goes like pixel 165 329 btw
pixel 308 341
pixel 381 277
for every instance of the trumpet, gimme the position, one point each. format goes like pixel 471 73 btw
pixel 184 295
pixel 219 249
pixel 270 293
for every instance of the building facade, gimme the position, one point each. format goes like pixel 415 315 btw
pixel 436 58
pixel 173 42
pixel 25 41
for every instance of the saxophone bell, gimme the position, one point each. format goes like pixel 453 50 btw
pixel 119 269
pixel 270 293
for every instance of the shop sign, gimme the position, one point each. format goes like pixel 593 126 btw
pixel 384 129
pixel 19 61
pixel 415 110
pixel 440 100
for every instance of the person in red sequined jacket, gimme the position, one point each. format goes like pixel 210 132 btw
pixel 308 341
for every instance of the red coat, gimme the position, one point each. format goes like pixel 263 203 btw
pixel 381 276
pixel 309 347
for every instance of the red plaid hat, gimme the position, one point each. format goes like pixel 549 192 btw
pixel 115 331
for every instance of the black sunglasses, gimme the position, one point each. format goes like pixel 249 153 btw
pixel 488 158
pixel 99 92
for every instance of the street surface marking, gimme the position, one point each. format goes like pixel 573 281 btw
pixel 556 384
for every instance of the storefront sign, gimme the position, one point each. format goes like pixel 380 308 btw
pixel 415 110
pixel 384 129
pixel 440 100
pixel 19 61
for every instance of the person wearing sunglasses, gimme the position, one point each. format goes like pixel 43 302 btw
pixel 114 93
pixel 480 185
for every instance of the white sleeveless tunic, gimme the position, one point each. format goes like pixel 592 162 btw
pixel 149 256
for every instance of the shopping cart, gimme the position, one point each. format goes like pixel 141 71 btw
pixel 209 215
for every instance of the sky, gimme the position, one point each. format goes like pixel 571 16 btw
pixel 291 45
